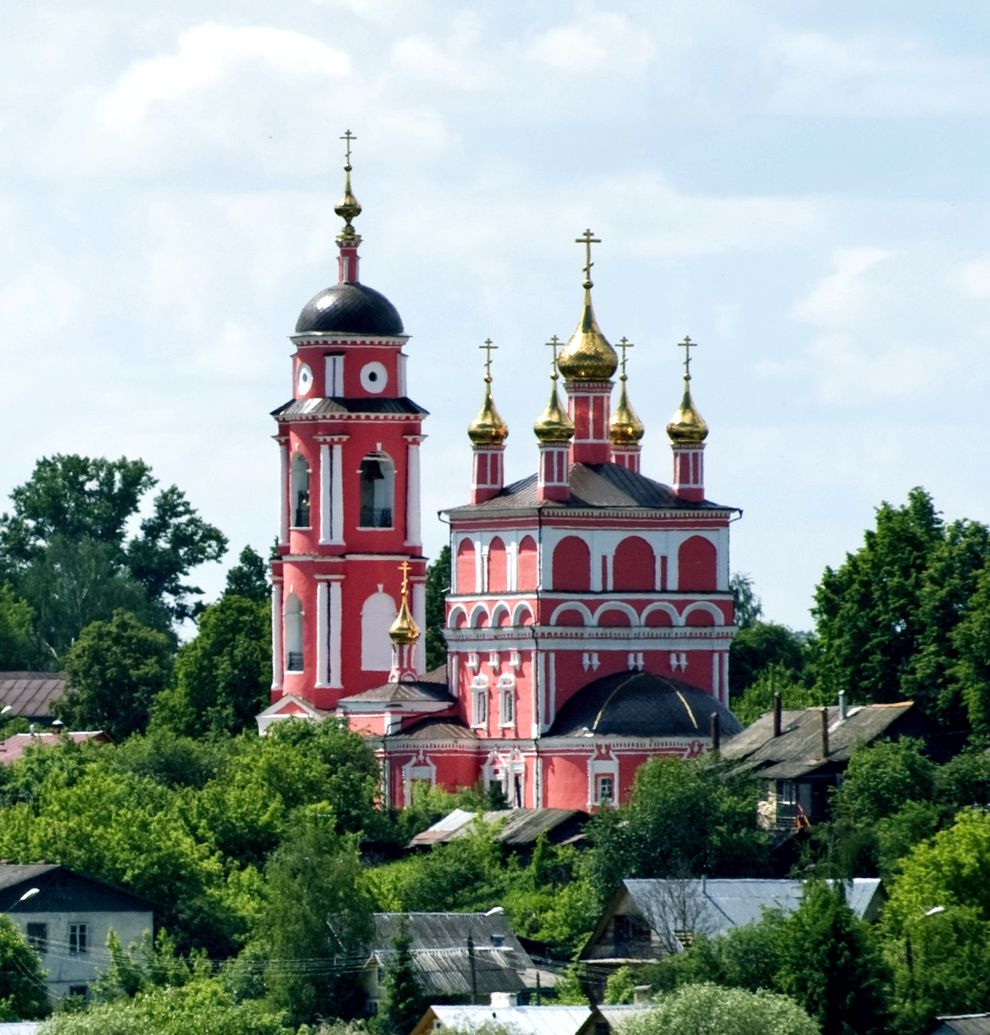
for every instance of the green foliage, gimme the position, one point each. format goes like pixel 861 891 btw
pixel 747 607
pixel 22 978
pixel 971 639
pixel 18 649
pixel 248 578
pixel 115 669
pixel 831 965
pixel 757 699
pixel 316 923
pixel 683 819
pixel 437 587
pixel 66 547
pixel 882 777
pixel 965 779
pixel 759 645
pixel 222 675
pixel 404 1001
pixel 152 963
pixel 886 617
pixel 707 1009
pixel 620 986
pixel 199 1007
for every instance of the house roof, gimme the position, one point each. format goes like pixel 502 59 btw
pixel 31 694
pixel 316 408
pixel 712 906
pixel 435 729
pixel 14 747
pixel 964 1024
pixel 440 951
pixel 516 826
pixel 592 486
pixel 401 693
pixel 61 889
pixel 524 1020
pixel 798 749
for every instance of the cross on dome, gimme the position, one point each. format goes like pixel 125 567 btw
pixel 624 343
pixel 488 347
pixel 553 343
pixel 587 239
pixel 687 344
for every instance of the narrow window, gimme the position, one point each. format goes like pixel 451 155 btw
pixel 77 939
pixel 293 634
pixel 37 936
pixel 606 790
pixel 377 491
pixel 300 492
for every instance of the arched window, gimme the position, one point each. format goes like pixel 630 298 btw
pixel 465 567
pixel 526 571
pixel 377 614
pixel 377 491
pixel 497 581
pixel 634 566
pixel 293 634
pixel 300 492
pixel 696 565
pixel 572 564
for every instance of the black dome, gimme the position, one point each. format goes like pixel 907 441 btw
pixel 641 704
pixel 349 309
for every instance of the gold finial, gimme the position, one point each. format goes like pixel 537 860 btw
pixel 588 355
pixel 404 629
pixel 553 425
pixel 687 426
pixel 625 428
pixel 348 208
pixel 488 428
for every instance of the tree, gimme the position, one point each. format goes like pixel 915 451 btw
pixel 222 676
pixel 759 645
pixel 22 978
pixel 746 603
pixel 971 639
pixel 316 923
pixel 67 546
pixel 18 650
pixel 832 967
pixel 404 1001
pixel 437 587
pixel 248 578
pixel 116 669
pixel 708 1009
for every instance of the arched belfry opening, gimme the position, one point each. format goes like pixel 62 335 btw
pixel 377 478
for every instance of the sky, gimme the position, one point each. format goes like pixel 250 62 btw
pixel 801 188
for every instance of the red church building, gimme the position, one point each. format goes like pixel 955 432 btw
pixel 589 616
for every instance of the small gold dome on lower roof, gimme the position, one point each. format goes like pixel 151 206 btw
pixel 625 428
pixel 488 428
pixel 687 427
pixel 553 425
pixel 404 629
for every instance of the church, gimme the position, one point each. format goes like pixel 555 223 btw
pixel 589 616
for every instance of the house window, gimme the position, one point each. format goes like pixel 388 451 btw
pixel 604 790
pixel 507 700
pixel 37 936
pixel 77 939
pixel 300 492
pixel 79 991
pixel 377 491
pixel 293 634
pixel 479 701
pixel 631 935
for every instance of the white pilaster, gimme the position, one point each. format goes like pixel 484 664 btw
pixel 326 525
pixel 283 494
pixel 321 633
pixel 413 533
pixel 419 617
pixel 337 494
pixel 335 636
pixel 277 663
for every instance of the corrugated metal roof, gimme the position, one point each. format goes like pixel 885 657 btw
pixel 31 694
pixel 964 1024
pixel 420 690
pixel 315 408
pixel 524 1020
pixel 798 748
pixel 517 826
pixel 435 729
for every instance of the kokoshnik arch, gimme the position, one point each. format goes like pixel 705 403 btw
pixel 589 616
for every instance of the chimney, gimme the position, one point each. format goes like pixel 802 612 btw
pixel 776 715
pixel 824 716
pixel 715 731
pixel 843 706
pixel 642 995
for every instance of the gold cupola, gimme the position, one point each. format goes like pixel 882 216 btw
pixel 404 629
pixel 687 427
pixel 625 428
pixel 554 426
pixel 348 208
pixel 587 356
pixel 488 428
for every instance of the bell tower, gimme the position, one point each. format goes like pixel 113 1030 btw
pixel 349 489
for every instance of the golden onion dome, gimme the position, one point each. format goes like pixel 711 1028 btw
pixel 587 356
pixel 348 208
pixel 687 427
pixel 625 428
pixel 488 428
pixel 553 425
pixel 404 629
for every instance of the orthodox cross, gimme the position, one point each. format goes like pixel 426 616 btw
pixel 587 239
pixel 624 344
pixel 348 137
pixel 687 345
pixel 488 347
pixel 554 343
pixel 405 567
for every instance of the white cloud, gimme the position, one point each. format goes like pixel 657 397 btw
pixel 595 41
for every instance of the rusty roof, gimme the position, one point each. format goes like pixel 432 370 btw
pixel 31 694
pixel 14 747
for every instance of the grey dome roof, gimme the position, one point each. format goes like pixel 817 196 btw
pixel 641 704
pixel 349 309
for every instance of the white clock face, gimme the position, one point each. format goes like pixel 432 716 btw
pixel 374 378
pixel 304 379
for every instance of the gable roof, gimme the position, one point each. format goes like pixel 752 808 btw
pixel 797 750
pixel 31 694
pixel 440 951
pixel 14 746
pixel 521 1020
pixel 712 906
pixel 516 826
pixel 61 889
pixel 964 1024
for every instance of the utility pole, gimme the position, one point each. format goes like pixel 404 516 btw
pixel 474 972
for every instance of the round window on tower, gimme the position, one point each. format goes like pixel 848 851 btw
pixel 304 379
pixel 374 378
